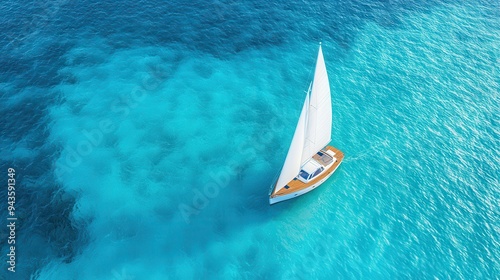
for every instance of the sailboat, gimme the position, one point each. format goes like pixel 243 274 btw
pixel 310 160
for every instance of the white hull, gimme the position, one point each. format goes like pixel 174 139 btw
pixel 273 200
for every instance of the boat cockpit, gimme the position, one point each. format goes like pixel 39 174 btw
pixel 310 170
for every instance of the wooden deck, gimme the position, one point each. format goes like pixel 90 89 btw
pixel 297 185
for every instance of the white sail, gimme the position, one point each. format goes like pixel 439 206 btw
pixel 314 128
pixel 319 115
pixel 293 160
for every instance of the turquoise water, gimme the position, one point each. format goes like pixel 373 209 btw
pixel 145 137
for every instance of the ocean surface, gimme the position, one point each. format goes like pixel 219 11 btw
pixel 145 136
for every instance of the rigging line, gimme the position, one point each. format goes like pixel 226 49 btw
pixel 311 71
pixel 362 154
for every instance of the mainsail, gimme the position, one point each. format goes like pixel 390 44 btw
pixel 319 115
pixel 314 128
